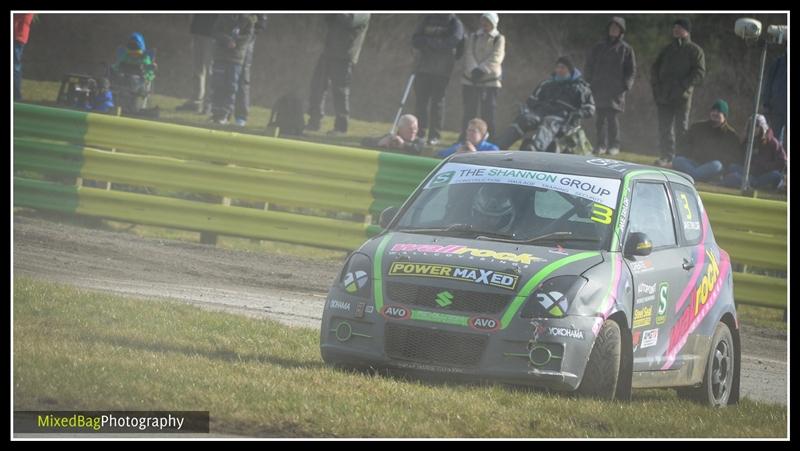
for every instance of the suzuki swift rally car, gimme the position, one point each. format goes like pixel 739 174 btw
pixel 561 271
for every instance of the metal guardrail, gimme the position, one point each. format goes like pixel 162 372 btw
pixel 289 173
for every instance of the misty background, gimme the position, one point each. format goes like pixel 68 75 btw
pixel 286 52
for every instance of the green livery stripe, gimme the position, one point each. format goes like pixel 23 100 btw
pixel 377 272
pixel 534 281
pixel 441 318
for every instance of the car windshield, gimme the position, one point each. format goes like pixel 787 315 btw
pixel 514 205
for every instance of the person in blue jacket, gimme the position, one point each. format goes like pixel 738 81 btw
pixel 476 140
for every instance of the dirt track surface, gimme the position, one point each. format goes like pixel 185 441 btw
pixel 288 289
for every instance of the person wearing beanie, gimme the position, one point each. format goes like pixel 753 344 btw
pixel 610 70
pixel 558 104
pixel 710 147
pixel 678 69
pixel 768 163
pixel 484 51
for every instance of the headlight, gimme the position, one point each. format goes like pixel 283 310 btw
pixel 355 278
pixel 552 298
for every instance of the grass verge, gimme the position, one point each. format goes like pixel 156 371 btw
pixel 75 349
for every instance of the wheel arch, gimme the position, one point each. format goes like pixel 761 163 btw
pixel 730 321
pixel 624 384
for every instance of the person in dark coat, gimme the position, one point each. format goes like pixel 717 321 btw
pixel 775 87
pixel 242 105
pixel 232 33
pixel 710 146
pixel 558 103
pixel 768 163
pixel 437 40
pixel 202 30
pixel 610 70
pixel 678 69
pixel 335 65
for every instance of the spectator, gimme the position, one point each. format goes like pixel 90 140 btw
pixel 775 87
pixel 768 163
pixel 22 28
pixel 242 106
pixel 335 65
pixel 100 98
pixel 610 71
pixel 710 146
pixel 135 58
pixel 475 140
pixel 678 69
pixel 558 103
pixel 437 40
pixel 202 30
pixel 232 33
pixel 483 58
pixel 405 139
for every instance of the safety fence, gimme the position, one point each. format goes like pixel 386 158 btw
pixel 308 185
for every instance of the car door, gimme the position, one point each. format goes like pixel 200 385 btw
pixel 690 235
pixel 657 278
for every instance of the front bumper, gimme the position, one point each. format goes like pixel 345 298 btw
pixel 544 352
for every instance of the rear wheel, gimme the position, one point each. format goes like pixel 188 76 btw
pixel 601 376
pixel 715 391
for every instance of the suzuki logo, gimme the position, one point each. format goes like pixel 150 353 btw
pixel 444 298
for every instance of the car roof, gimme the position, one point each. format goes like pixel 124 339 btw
pixel 587 165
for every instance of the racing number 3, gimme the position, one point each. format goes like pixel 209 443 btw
pixel 601 213
pixel 686 206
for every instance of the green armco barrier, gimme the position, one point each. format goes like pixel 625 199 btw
pixel 763 251
pixel 764 291
pixel 745 213
pixel 190 176
pixel 189 215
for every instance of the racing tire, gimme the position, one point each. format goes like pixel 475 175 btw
pixel 602 371
pixel 718 378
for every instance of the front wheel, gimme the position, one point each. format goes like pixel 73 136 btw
pixel 715 391
pixel 602 372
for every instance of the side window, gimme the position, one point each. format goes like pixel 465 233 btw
pixel 688 212
pixel 651 214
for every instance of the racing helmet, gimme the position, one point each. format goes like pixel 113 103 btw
pixel 493 208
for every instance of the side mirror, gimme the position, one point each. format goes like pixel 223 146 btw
pixel 638 244
pixel 386 216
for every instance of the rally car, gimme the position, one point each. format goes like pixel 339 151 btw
pixel 561 271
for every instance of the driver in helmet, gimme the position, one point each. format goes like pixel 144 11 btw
pixel 493 208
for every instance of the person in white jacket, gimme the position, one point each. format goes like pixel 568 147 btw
pixel 484 51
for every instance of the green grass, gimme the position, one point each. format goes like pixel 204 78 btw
pixel 83 350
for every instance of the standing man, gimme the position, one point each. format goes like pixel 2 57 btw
pixel 610 70
pixel 22 28
pixel 242 108
pixel 202 29
pixel 437 40
pixel 232 33
pixel 678 69
pixel 335 65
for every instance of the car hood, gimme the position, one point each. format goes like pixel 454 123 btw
pixel 492 264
